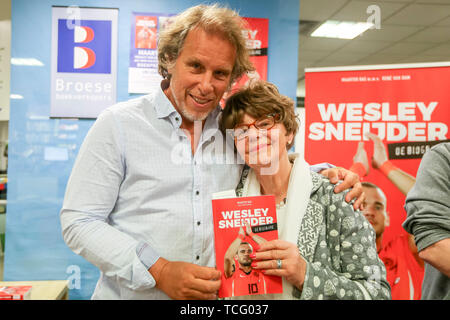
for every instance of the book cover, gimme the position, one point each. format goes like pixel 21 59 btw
pixel 240 225
pixel 15 293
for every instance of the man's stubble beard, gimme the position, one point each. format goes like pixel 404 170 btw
pixel 186 114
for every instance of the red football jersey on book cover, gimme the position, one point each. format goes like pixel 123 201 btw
pixel 240 226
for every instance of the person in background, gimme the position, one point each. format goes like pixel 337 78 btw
pixel 403 265
pixel 138 200
pixel 428 218
pixel 326 249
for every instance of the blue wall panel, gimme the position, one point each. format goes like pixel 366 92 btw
pixel 42 150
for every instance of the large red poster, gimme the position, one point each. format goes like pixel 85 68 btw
pixel 256 33
pixel 406 106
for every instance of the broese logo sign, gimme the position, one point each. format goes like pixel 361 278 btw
pixel 84 48
pixel 84 61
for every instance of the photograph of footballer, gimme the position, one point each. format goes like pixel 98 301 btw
pixel 244 280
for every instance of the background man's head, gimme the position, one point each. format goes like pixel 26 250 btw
pixel 375 207
pixel 243 254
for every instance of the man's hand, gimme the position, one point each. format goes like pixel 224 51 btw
pixel 379 151
pixel 186 281
pixel 350 180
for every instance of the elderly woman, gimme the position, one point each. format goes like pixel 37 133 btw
pixel 325 250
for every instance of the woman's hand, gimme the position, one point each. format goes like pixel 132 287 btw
pixel 293 265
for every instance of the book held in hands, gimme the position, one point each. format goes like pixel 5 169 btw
pixel 241 224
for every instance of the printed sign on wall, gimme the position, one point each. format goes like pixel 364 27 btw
pixel 84 61
pixel 257 41
pixel 143 70
pixel 257 35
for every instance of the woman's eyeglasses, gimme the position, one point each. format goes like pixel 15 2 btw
pixel 264 123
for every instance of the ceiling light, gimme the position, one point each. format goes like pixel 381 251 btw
pixel 32 62
pixel 341 29
pixel 15 96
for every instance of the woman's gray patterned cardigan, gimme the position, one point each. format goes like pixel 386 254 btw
pixel 338 244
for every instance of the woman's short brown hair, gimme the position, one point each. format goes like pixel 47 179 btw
pixel 257 99
pixel 212 19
